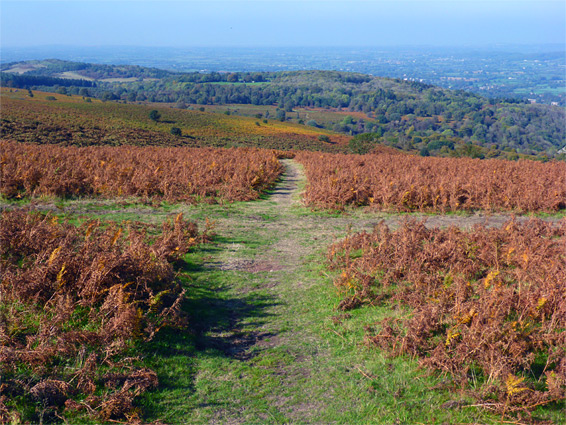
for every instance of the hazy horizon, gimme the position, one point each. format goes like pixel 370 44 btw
pixel 548 47
pixel 261 24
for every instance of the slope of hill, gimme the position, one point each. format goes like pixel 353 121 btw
pixel 87 71
pixel 73 120
pixel 404 114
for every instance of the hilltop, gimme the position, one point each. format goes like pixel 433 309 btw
pixel 80 70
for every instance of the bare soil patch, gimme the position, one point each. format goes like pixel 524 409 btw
pixel 251 266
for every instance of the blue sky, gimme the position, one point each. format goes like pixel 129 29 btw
pixel 281 23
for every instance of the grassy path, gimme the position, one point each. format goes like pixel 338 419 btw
pixel 268 345
pixel 265 342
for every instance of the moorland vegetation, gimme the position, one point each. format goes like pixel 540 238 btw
pixel 408 115
pixel 83 300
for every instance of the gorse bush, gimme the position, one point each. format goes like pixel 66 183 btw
pixel 74 303
pixel 486 306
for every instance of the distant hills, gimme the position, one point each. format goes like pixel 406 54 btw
pixel 79 70
pixel 407 115
pixel 534 71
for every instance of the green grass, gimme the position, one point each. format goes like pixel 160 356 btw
pixel 302 369
pixel 265 343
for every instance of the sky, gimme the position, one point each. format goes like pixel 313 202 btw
pixel 263 23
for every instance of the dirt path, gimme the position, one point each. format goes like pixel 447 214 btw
pixel 276 358
pixel 285 193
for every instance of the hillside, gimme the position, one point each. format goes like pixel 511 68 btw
pixel 120 307
pixel 81 70
pixel 72 120
pixel 407 115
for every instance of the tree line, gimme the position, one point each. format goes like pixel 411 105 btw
pixel 25 81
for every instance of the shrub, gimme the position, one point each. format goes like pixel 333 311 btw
pixel 486 306
pixel 363 143
pixel 154 115
pixel 75 300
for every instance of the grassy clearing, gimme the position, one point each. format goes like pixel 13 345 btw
pixel 322 116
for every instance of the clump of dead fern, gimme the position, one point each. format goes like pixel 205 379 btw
pixel 152 173
pixel 393 182
pixel 74 301
pixel 487 306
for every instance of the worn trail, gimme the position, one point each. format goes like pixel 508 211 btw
pixel 275 312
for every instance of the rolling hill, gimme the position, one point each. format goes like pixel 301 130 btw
pixel 406 115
